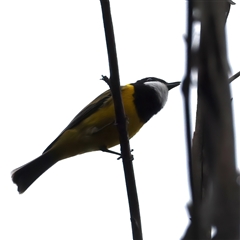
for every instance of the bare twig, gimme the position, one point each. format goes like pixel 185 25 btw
pixel 121 122
pixel 232 78
pixel 185 88
pixel 193 230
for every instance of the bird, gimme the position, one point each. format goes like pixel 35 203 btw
pixel 94 127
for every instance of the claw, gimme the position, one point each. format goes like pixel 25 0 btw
pixel 104 149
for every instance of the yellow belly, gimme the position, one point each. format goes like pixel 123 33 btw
pixel 98 130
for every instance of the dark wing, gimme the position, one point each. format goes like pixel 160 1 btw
pixel 86 112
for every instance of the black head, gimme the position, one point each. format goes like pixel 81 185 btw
pixel 153 79
pixel 150 96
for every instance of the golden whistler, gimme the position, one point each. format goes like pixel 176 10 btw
pixel 94 127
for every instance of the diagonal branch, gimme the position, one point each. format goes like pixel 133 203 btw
pixel 232 78
pixel 114 84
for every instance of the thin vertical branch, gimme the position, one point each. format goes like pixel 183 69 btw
pixel 193 229
pixel 114 85
pixel 185 89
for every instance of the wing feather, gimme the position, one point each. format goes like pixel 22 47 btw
pixel 85 113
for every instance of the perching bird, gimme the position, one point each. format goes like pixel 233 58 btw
pixel 94 127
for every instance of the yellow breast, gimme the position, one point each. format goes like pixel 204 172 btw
pixel 99 130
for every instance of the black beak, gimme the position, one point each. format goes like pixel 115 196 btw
pixel 172 85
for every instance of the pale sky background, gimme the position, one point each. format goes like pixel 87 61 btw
pixel 52 55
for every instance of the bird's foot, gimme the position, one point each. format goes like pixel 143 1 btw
pixel 104 149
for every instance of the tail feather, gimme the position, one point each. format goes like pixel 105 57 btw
pixel 25 175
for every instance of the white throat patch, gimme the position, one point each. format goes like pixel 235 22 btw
pixel 161 90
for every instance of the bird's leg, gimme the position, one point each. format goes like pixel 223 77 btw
pixel 104 149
